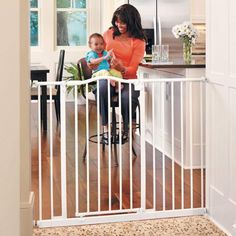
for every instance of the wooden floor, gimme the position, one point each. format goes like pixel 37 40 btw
pixel 93 170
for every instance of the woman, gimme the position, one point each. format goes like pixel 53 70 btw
pixel 127 40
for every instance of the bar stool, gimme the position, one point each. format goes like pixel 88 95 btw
pixel 84 73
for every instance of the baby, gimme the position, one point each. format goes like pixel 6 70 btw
pixel 100 57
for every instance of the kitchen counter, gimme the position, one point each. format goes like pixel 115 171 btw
pixel 164 98
pixel 197 62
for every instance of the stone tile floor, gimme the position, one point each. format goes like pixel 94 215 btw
pixel 193 226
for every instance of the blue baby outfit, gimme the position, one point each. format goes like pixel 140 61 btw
pixel 104 65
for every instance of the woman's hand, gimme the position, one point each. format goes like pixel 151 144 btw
pixel 117 64
pixel 109 55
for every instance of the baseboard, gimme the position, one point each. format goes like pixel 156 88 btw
pixel 29 203
pixel 26 216
pixel 218 225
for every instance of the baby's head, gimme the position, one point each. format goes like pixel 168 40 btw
pixel 96 42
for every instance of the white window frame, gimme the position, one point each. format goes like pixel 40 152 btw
pixel 92 9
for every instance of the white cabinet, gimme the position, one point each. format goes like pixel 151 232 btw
pixel 162 106
pixel 198 11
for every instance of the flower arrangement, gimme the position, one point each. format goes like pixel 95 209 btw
pixel 188 34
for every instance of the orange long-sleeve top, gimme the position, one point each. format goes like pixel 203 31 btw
pixel 130 51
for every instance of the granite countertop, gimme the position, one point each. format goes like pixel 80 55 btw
pixel 177 62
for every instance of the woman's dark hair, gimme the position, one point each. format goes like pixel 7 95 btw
pixel 129 15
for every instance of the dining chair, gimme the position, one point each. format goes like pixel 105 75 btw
pixel 56 89
pixel 85 73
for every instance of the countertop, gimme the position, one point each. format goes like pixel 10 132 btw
pixel 177 62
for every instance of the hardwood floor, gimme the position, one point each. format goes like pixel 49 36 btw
pixel 93 172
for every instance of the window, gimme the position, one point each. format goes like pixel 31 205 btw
pixel 34 23
pixel 71 22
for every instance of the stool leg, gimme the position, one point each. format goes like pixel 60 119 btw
pixel 133 137
pixel 115 152
pixel 57 110
pixel 133 150
pixel 85 151
pixel 114 133
pixel 85 146
pixel 139 120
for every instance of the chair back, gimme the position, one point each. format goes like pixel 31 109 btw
pixel 84 71
pixel 60 65
pixel 60 69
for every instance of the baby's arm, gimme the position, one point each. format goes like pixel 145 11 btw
pixel 100 59
pixel 96 61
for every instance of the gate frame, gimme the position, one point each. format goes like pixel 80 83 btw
pixel 112 216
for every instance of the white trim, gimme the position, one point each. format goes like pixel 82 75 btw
pixel 216 190
pixel 232 201
pixel 29 204
pixel 149 214
pixel 218 225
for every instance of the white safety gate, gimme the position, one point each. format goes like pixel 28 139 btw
pixel 166 177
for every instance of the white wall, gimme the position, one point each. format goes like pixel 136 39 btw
pixel 221 97
pixel 107 9
pixel 14 119
pixel 118 3
pixel 26 196
pixel 10 117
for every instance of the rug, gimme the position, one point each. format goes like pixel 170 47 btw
pixel 192 226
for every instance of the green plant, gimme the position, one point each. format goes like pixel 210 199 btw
pixel 74 75
pixel 73 71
